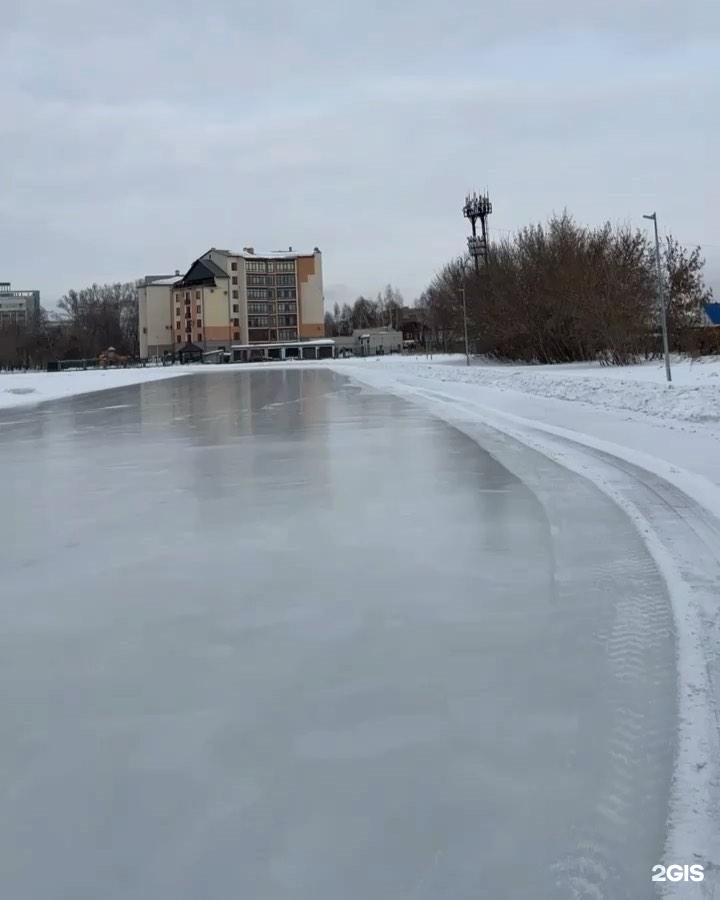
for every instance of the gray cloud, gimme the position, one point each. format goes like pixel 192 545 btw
pixel 135 136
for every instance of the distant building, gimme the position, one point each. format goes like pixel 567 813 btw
pixel 370 342
pixel 18 307
pixel 155 314
pixel 414 323
pixel 230 298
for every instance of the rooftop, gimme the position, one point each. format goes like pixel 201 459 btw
pixel 162 279
pixel 251 253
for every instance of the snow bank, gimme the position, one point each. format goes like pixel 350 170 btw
pixel 694 396
pixel 22 388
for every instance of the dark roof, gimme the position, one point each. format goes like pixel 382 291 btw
pixel 191 350
pixel 712 311
pixel 202 271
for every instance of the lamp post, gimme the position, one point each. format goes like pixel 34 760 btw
pixel 661 299
pixel 464 311
pixel 467 351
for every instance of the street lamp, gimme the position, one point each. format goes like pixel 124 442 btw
pixel 464 308
pixel 661 299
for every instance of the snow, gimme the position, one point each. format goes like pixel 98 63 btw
pixel 23 388
pixel 694 395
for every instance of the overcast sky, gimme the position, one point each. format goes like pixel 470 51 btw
pixel 136 135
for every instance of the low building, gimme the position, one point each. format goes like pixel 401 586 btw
pixel 370 342
pixel 413 321
pixel 18 308
pixel 320 348
pixel 155 314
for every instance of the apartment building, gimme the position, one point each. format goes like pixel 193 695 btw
pixel 156 314
pixel 229 297
pixel 17 307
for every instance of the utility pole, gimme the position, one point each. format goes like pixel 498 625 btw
pixel 661 299
pixel 467 350
pixel 464 310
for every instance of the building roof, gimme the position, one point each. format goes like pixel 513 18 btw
pixel 712 311
pixel 202 271
pixel 161 279
pixel 268 254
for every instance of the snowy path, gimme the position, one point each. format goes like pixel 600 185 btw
pixel 18 389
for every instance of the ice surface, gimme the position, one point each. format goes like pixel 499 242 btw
pixel 267 635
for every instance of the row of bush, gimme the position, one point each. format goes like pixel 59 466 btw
pixel 562 292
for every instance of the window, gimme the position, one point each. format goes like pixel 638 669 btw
pixel 258 321
pixel 234 279
pixel 187 295
pixel 286 293
pixel 235 295
pixel 236 323
pixel 259 280
pixel 187 301
pixel 285 279
pixel 177 326
pixel 179 339
pixel 233 266
pixel 287 307
pixel 259 294
pixel 261 308
pixel 282 265
pixel 287 334
pixel 177 310
pixel 236 307
pixel 199 336
pixel 236 335
pixel 199 323
pixel 198 308
pixel 256 265
pixel 197 295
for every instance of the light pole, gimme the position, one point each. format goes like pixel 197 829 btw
pixel 462 294
pixel 661 299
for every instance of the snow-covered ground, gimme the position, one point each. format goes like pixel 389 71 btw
pixel 694 396
pixel 22 388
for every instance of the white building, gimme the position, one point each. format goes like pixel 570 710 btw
pixel 155 314
pixel 17 307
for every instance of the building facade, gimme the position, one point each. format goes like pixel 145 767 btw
pixel 243 297
pixel 18 308
pixel 155 314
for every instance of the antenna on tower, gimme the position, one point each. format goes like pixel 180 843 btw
pixel 478 206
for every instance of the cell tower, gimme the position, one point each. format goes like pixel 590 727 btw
pixel 478 206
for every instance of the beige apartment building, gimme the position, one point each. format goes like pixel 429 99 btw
pixel 155 314
pixel 233 297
